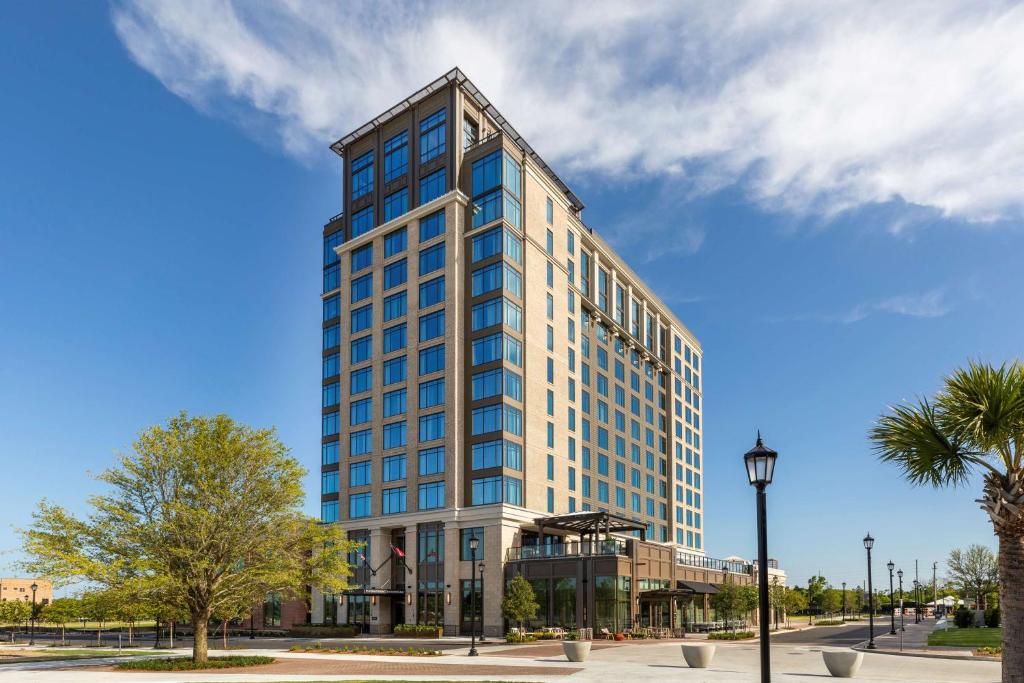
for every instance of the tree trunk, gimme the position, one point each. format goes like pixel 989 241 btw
pixel 1011 604
pixel 200 647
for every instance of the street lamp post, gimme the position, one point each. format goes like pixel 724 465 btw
pixel 900 575
pixel 474 543
pixel 917 602
pixel 32 632
pixel 844 601
pixel 935 590
pixel 868 544
pixel 760 462
pixel 480 570
pixel 892 603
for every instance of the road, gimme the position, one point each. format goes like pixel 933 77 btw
pixel 834 636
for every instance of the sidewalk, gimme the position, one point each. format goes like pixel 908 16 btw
pixel 913 641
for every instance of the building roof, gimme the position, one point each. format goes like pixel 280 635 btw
pixel 590 522
pixel 456 76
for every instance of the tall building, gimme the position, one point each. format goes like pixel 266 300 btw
pixel 492 368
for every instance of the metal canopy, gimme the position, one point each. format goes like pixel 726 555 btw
pixel 591 523
pixel 374 591
pixel 699 587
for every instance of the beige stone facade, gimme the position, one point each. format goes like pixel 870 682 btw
pixel 21 589
pixel 566 385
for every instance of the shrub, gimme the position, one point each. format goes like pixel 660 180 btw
pixel 186 664
pixel 511 637
pixel 990 651
pixel 964 618
pixel 572 635
pixel 325 631
pixel 829 622
pixel 418 631
pixel 992 617
pixel 729 635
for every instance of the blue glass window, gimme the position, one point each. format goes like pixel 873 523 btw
pixel 332 336
pixel 362 287
pixel 394 435
pixel 360 380
pixel 392 501
pixel 362 221
pixel 395 204
pixel 332 278
pixel 394 338
pixel 431 460
pixel 431 393
pixel 329 511
pixel 432 292
pixel 332 365
pixel 329 453
pixel 395 274
pixel 432 258
pixel 432 325
pixel 331 394
pixel 432 136
pixel 329 424
pixel 359 505
pixel 431 427
pixel 331 241
pixel 362 258
pixel 431 495
pixel 332 307
pixel 394 403
pixel 360 412
pixel 394 370
pixel 431 226
pixel 394 306
pixel 395 242
pixel 433 185
pixel 431 359
pixel 362 318
pixel 361 350
pixel 396 156
pixel 362 175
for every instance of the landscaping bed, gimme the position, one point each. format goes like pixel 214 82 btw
pixel 360 650
pixel 186 663
pixel 310 631
pixel 731 635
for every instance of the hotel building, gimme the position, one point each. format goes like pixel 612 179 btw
pixel 492 368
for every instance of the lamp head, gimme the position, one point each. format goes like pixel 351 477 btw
pixel 899 573
pixel 474 543
pixel 760 462
pixel 869 542
pixel 891 566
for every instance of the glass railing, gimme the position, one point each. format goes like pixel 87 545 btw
pixel 571 549
pixel 704 562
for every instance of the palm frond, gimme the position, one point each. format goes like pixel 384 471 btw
pixel 913 437
pixel 985 406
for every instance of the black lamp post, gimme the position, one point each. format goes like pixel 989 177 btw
pixel 869 543
pixel 480 570
pixel 892 603
pixel 474 543
pixel 900 575
pixel 760 462
pixel 917 601
pixel 32 632
pixel 844 601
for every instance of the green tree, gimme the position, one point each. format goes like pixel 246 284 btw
pixel 203 513
pixel 975 571
pixel 831 600
pixel 733 600
pixel 520 602
pixel 98 606
pixel 816 592
pixel 61 611
pixel 795 600
pixel 974 424
pixel 15 612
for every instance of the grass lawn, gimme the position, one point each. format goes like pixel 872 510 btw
pixel 967 637
pixel 10 655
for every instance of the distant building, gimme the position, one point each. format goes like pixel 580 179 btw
pixel 21 589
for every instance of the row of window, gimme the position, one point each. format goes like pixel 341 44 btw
pixel 393 501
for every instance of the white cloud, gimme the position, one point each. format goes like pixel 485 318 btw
pixel 931 304
pixel 811 107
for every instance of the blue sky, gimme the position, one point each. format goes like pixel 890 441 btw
pixel 838 231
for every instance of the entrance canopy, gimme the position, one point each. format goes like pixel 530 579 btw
pixel 592 523
pixel 699 587
pixel 374 591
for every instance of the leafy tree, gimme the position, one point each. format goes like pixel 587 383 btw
pixel 203 513
pixel 816 592
pixel 733 600
pixel 975 571
pixel 520 602
pixel 15 611
pixel 795 600
pixel 974 424
pixel 61 611
pixel 98 606
pixel 831 600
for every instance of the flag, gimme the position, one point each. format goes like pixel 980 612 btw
pixel 362 557
pixel 397 551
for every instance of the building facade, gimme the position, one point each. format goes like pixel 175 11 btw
pixel 489 361
pixel 21 589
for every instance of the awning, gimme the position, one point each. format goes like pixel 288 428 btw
pixel 699 587
pixel 663 593
pixel 374 591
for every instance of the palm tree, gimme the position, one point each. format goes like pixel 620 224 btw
pixel 974 424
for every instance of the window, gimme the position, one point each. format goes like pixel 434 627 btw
pixel 487 490
pixel 332 336
pixel 360 473
pixel 331 241
pixel 394 338
pixel 394 435
pixel 395 242
pixel 362 222
pixel 431 460
pixel 362 258
pixel 359 505
pixel 362 287
pixel 432 292
pixel 394 306
pixel 394 370
pixel 431 495
pixel 431 393
pixel 486 384
pixel 433 185
pixel 362 175
pixel 464 536
pixel 329 511
pixel 497 346
pixel 360 350
pixel 360 443
pixel 551 215
pixel 432 325
pixel 393 468
pixel 392 500
pixel 470 133
pixel 432 136
pixel 360 381
pixel 432 258
pixel 360 412
pixel 329 453
pixel 332 307
pixel 487 279
pixel 332 279
pixel 329 426
pixel 395 204
pixel 431 226
pixel 494 311
pixel 549 244
pixel 496 417
pixel 431 359
pixel 362 318
pixel 395 274
pixel 394 403
pixel 396 156
pixel 431 427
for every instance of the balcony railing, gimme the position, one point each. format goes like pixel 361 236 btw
pixel 572 549
pixel 704 562
pixel 334 218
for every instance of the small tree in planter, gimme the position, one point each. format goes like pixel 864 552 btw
pixel 575 650
pixel 520 602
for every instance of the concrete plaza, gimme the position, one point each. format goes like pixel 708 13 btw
pixel 640 661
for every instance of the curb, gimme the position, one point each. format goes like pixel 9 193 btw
pixel 862 647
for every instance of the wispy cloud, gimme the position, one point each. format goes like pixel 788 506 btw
pixel 809 107
pixel 931 304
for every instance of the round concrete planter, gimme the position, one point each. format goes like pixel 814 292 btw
pixel 698 655
pixel 842 663
pixel 576 650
